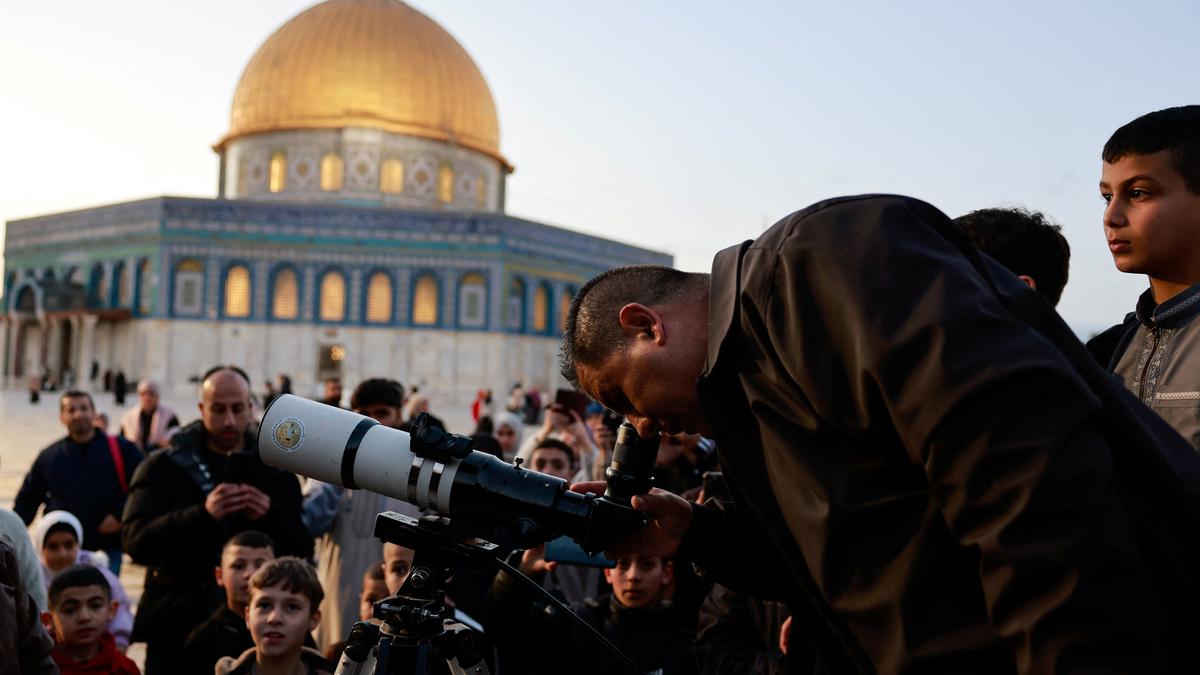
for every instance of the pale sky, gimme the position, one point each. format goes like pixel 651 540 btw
pixel 685 127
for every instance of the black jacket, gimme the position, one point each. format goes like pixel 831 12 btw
pixel 223 634
pixel 739 634
pixel 929 467
pixel 81 479
pixel 167 529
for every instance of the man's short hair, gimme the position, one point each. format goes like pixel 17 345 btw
pixel 77 576
pixel 294 576
pixel 75 393
pixel 216 369
pixel 1025 242
pixel 593 331
pixel 555 444
pixel 1176 130
pixel 250 539
pixel 333 379
pixel 377 390
pixel 148 385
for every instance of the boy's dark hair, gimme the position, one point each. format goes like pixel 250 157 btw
pixel 77 576
pixel 593 332
pixel 375 572
pixel 555 444
pixel 75 393
pixel 377 390
pixel 1025 242
pixel 1176 130
pixel 250 539
pixel 294 575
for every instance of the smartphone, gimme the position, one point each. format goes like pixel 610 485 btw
pixel 572 400
pixel 240 467
pixel 565 551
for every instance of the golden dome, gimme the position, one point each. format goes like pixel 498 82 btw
pixel 366 63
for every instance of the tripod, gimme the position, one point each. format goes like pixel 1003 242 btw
pixel 417 628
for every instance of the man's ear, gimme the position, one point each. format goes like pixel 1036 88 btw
pixel 637 319
pixel 1029 281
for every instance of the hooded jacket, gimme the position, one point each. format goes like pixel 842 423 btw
pixel 929 467
pixel 108 661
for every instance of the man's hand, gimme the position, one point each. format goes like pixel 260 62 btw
pixel 533 561
pixel 225 499
pixel 257 502
pixel 110 525
pixel 670 518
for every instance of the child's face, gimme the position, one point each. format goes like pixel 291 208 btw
pixel 397 563
pixel 82 615
pixel 1151 221
pixel 551 461
pixel 373 591
pixel 279 619
pixel 238 564
pixel 60 551
pixel 638 581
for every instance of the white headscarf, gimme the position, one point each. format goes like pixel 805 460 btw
pixel 53 518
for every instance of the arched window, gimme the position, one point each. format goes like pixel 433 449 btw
pixel 516 304
pixel 391 176
pixel 277 172
pixel 145 288
pixel 564 307
pixel 189 288
pixel 541 308
pixel 472 301
pixel 425 302
pixel 445 184
pixel 333 297
pixel 124 276
pixel 285 295
pixel 97 286
pixel 237 292
pixel 480 192
pixel 379 298
pixel 332 170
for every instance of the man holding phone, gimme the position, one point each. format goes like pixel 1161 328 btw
pixel 185 502
pixel 563 421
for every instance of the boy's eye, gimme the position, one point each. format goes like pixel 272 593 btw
pixel 1106 196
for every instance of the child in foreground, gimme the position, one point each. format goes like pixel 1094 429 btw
pixel 285 595
pixel 81 606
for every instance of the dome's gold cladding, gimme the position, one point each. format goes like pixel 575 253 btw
pixel 366 63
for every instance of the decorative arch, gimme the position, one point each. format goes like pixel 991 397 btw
pixel 425 300
pixel 541 308
pixel 237 292
pixel 277 172
pixel 331 296
pixel 285 293
pixel 564 306
pixel 378 300
pixel 472 300
pixel 391 176
pixel 333 171
pixel 187 281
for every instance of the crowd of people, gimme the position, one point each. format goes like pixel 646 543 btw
pixel 879 451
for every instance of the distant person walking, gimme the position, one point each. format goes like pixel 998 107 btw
pixel 150 424
pixel 120 386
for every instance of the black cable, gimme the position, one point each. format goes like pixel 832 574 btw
pixel 597 635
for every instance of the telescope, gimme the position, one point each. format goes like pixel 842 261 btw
pixel 441 474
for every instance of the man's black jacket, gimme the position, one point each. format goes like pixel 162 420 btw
pixel 166 528
pixel 929 467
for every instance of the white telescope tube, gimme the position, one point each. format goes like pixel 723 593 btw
pixel 344 448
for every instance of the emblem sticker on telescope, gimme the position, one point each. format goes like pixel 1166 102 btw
pixel 289 434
